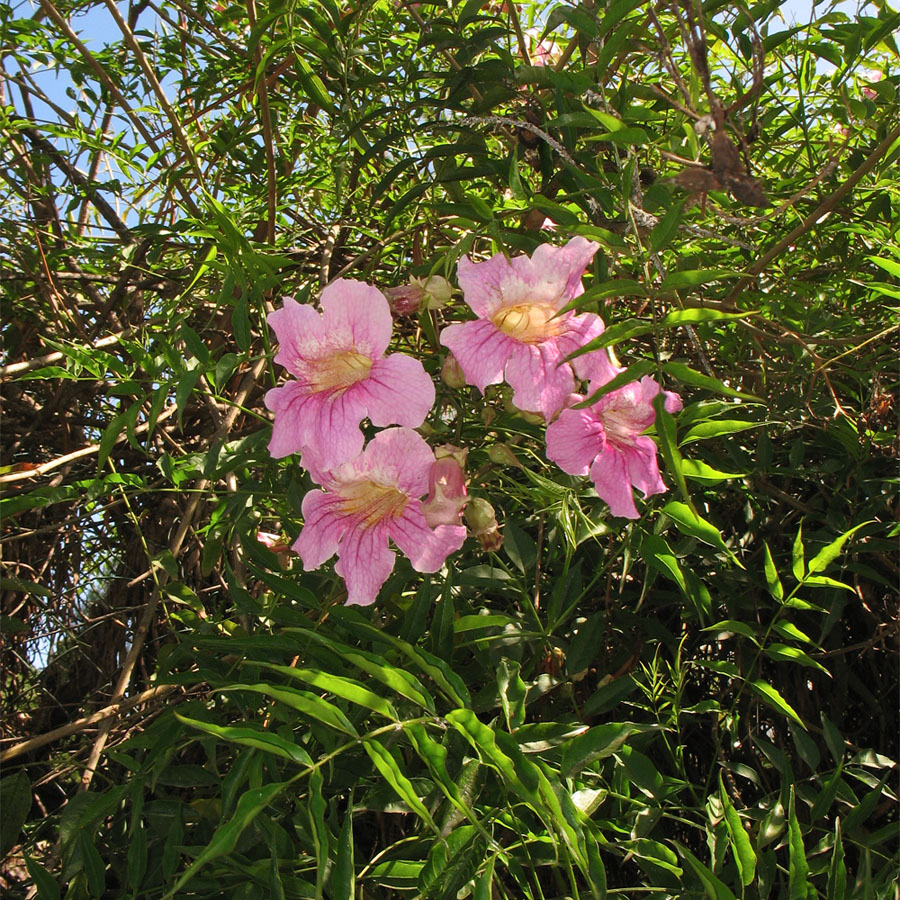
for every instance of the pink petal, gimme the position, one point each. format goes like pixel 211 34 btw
pixel 364 562
pixel 643 467
pixel 564 264
pixel 356 315
pixel 610 476
pixel 574 440
pixel 481 283
pixel 541 382
pixel 446 493
pixel 398 456
pixel 426 548
pixel 593 366
pixel 329 424
pixel 323 528
pixel 299 330
pixel 398 391
pixel 481 349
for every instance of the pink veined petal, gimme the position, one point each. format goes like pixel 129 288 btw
pixel 610 476
pixel 481 349
pixel 643 467
pixel 364 562
pixel 593 366
pixel 574 440
pixel 398 391
pixel 298 328
pixel 564 264
pixel 426 548
pixel 398 456
pixel 356 315
pixel 541 382
pixel 327 424
pixel 481 283
pixel 323 528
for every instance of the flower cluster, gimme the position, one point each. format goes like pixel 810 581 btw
pixel 395 487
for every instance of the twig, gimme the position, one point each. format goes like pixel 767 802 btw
pixel 108 712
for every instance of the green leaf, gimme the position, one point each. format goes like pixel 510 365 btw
pixel 837 871
pixel 343 875
pixel 694 315
pixel 771 696
pixel 596 743
pixel 713 887
pixel 741 847
pixel 15 801
pixel 798 867
pixel 679 281
pixel 827 555
pixel 694 525
pixel 701 472
pixel 797 557
pixel 393 774
pixel 340 687
pixel 303 701
pixel 772 580
pixel 786 653
pixel 733 625
pixel 668 444
pixel 251 737
pixel 249 806
pixel 666 228
pixel 657 553
pixel 713 428
pixel 687 375
pixel 452 862
pixel 44 882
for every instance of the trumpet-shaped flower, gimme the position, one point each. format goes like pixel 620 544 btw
pixel 519 335
pixel 606 440
pixel 367 500
pixel 341 374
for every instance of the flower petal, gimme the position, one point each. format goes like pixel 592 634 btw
pixel 610 476
pixel 564 265
pixel 643 467
pixel 356 315
pixel 329 424
pixel 574 440
pixel 398 456
pixel 298 328
pixel 398 391
pixel 481 349
pixel 593 366
pixel 426 548
pixel 481 283
pixel 541 382
pixel 364 562
pixel 323 528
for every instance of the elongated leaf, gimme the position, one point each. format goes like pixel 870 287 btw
pixel 741 847
pixel 687 375
pixel 597 743
pixel 44 883
pixel 713 428
pixel 393 774
pixel 837 871
pixel 692 523
pixel 775 700
pixel 251 737
pixel 700 471
pixel 786 653
pixel 798 565
pixel 827 555
pixel 340 687
pixel 772 580
pixel 303 701
pixel 798 867
pixel 249 806
pixel 691 278
pixel 713 887
pixel 696 314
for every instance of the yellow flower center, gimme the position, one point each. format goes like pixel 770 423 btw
pixel 372 502
pixel 338 372
pixel 529 323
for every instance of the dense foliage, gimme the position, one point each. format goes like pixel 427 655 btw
pixel 701 701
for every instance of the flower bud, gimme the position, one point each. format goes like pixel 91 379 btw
pixel 482 522
pixel 437 292
pixel 406 299
pixel 458 453
pixel 446 492
pixel 503 455
pixel 452 373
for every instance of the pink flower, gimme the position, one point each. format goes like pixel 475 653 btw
pixel 368 500
pixel 605 439
pixel 518 336
pixel 446 492
pixel 341 374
